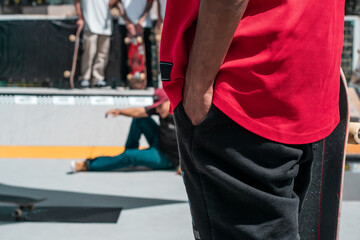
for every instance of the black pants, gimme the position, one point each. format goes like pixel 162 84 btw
pixel 241 186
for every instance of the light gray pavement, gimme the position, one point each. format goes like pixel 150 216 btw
pixel 150 223
pixel 85 125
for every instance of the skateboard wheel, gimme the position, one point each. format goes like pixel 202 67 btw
pixel 139 40
pixel 142 76
pixel 115 12
pixel 129 77
pixel 17 213
pixel 67 74
pixel 127 40
pixel 72 38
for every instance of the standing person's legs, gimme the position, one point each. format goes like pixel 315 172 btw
pixel 89 52
pixel 101 58
pixel 147 32
pixel 124 69
pixel 240 186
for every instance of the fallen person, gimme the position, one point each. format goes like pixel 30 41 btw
pixel 162 152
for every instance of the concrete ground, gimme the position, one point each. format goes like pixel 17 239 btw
pixel 155 203
pixel 168 221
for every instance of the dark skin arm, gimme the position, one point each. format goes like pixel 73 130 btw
pixel 144 15
pixel 112 3
pixel 128 24
pixel 203 64
pixel 159 21
pixel 80 21
pixel 138 112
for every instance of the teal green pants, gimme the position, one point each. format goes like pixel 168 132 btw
pixel 151 157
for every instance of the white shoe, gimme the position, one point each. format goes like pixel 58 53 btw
pixel 85 83
pixel 101 84
pixel 72 166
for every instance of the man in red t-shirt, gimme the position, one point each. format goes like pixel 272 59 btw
pixel 253 84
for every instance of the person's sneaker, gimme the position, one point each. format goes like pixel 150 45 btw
pixel 77 166
pixel 84 83
pixel 100 84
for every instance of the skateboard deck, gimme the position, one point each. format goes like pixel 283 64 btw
pixel 136 62
pixel 24 205
pixel 75 39
pixel 155 38
pixel 320 215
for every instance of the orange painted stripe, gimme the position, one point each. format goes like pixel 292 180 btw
pixel 59 152
pixel 353 149
pixel 83 152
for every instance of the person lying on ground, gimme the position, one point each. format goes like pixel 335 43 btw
pixel 162 152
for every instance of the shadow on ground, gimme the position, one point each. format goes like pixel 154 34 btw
pixel 63 206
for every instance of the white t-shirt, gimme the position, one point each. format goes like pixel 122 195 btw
pixel 162 8
pixel 134 9
pixel 97 16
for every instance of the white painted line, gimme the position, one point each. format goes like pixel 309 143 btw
pixel 63 100
pixel 141 101
pixel 101 100
pixel 26 100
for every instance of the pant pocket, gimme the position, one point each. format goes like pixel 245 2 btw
pixel 181 119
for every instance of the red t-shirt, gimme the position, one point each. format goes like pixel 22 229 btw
pixel 280 78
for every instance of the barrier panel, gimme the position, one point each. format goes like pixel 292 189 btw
pixel 37 51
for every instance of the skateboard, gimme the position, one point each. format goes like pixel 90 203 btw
pixel 136 62
pixel 155 38
pixel 320 215
pixel 75 39
pixel 24 205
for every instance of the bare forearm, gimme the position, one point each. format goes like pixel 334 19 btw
pixel 217 23
pixel 123 12
pixel 145 14
pixel 159 10
pixel 133 112
pixel 112 3
pixel 78 9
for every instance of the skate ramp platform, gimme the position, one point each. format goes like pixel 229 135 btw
pixel 65 118
pixel 149 205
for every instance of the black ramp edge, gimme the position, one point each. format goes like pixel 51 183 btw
pixel 71 199
pixel 74 215
pixel 62 206
pixel 19 199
